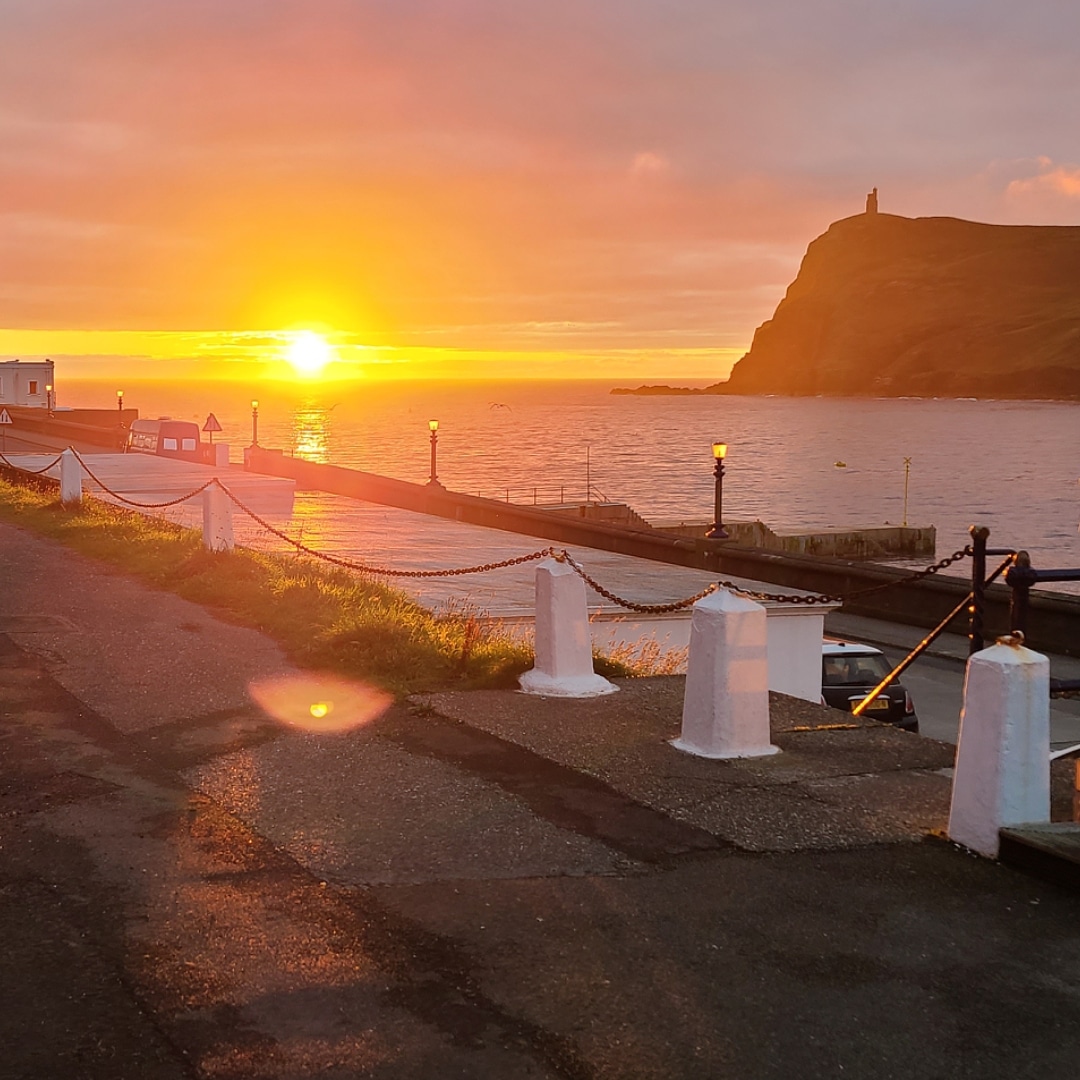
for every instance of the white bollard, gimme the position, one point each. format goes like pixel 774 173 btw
pixel 70 478
pixel 1002 774
pixel 563 665
pixel 726 702
pixel 217 523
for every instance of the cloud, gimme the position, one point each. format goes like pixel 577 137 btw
pixel 648 163
pixel 1052 180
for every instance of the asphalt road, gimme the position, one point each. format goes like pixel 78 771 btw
pixel 937 685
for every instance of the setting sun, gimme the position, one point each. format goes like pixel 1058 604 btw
pixel 309 353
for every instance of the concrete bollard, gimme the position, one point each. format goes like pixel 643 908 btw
pixel 564 665
pixel 1002 774
pixel 70 479
pixel 726 701
pixel 217 521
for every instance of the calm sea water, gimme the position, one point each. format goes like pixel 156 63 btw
pixel 1010 465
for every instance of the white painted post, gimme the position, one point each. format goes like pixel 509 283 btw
pixel 217 527
pixel 726 702
pixel 1002 774
pixel 563 665
pixel 70 479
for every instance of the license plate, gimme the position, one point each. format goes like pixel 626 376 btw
pixel 879 704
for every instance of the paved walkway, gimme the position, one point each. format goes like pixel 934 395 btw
pixel 476 885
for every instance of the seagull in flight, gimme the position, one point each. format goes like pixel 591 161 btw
pixel 498 405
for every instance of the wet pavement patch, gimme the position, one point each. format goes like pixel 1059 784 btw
pixel 35 624
pixel 566 798
pixel 34 793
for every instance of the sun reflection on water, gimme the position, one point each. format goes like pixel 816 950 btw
pixel 311 432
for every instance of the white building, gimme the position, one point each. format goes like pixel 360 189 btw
pixel 27 382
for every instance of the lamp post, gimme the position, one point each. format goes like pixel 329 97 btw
pixel 48 398
pixel 718 532
pixel 254 423
pixel 433 427
pixel 120 400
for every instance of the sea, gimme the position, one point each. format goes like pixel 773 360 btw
pixel 797 464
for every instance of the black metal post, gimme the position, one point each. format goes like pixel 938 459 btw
pixel 1020 577
pixel 718 532
pixel 977 610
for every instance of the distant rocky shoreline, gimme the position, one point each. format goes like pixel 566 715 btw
pixel 991 393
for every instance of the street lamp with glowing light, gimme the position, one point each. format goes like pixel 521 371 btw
pixel 254 423
pixel 433 427
pixel 120 400
pixel 718 532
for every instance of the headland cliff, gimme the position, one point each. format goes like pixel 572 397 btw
pixel 893 306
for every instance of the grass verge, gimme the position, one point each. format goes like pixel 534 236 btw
pixel 324 617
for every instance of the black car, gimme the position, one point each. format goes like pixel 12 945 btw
pixel 849 672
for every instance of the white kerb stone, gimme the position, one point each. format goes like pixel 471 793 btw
pixel 70 478
pixel 1002 774
pixel 726 702
pixel 563 666
pixel 217 520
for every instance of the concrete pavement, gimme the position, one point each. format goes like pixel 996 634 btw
pixel 476 884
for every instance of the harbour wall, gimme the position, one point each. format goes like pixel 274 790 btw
pixel 878 542
pixel 1054 623
pixel 98 427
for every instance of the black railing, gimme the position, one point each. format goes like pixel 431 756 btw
pixel 979 581
pixel 1021 577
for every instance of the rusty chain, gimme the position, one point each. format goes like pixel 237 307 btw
pixel 378 571
pixel 647 609
pixel 840 598
pixel 132 502
pixel 754 594
pixel 31 472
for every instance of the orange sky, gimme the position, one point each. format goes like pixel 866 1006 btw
pixel 588 188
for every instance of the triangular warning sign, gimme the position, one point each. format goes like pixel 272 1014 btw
pixel 211 423
pixel 5 416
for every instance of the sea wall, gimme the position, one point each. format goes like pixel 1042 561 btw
pixel 878 542
pixel 99 427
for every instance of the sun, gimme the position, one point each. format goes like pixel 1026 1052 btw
pixel 309 353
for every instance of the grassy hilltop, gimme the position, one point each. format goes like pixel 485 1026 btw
pixel 889 305
pixel 935 307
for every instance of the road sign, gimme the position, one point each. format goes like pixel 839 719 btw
pixel 5 416
pixel 211 425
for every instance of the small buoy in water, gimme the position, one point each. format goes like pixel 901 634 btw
pixel 840 464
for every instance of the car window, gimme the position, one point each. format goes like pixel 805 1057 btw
pixel 848 670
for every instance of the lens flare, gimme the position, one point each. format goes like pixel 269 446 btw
pixel 323 704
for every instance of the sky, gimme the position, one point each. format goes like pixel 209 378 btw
pixel 482 188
